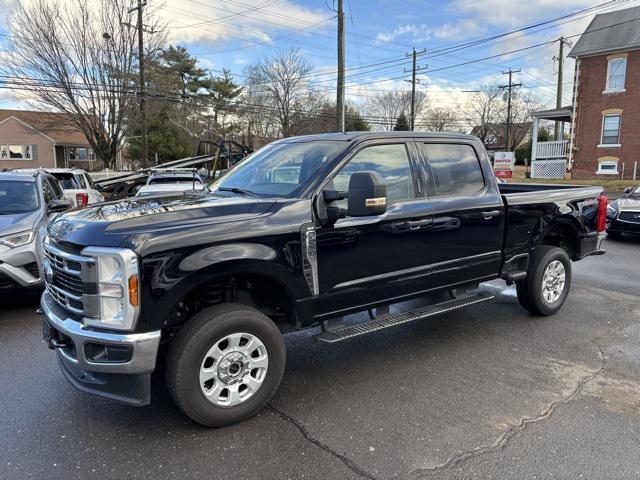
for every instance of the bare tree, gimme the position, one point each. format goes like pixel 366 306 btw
pixel 441 119
pixel 283 78
pixel 385 108
pixel 80 60
pixel 485 110
pixel 522 104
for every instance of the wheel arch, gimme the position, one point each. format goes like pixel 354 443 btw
pixel 563 232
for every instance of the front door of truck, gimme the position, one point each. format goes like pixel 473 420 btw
pixel 371 259
pixel 468 213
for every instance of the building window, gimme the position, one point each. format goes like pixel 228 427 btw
pixel 616 71
pixel 17 152
pixel 608 167
pixel 610 130
pixel 79 154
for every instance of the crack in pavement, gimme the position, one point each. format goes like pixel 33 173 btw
pixel 305 433
pixel 503 439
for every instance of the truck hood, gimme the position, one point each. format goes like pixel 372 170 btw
pixel 110 224
pixel 632 202
pixel 18 222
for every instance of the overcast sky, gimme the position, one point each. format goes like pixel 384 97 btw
pixel 233 33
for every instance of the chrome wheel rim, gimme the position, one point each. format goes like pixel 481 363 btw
pixel 233 369
pixel 553 281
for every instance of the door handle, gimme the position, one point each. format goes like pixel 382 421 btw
pixel 490 214
pixel 410 225
pixel 418 224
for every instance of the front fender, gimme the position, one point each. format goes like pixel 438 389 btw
pixel 167 278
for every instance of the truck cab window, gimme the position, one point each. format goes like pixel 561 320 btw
pixel 390 161
pixel 455 169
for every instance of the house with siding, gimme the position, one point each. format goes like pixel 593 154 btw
pixel 605 133
pixel 30 139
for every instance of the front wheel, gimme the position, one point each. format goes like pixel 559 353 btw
pixel 548 281
pixel 225 364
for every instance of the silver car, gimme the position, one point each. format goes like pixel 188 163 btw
pixel 27 201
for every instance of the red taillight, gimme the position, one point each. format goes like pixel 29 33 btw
pixel 82 199
pixel 601 221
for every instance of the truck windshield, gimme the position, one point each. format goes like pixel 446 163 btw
pixel 17 197
pixel 281 169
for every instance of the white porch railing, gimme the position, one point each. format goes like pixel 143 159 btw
pixel 557 149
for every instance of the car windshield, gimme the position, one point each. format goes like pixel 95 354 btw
pixel 17 196
pixel 636 191
pixel 280 169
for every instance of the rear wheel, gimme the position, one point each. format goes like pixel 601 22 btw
pixel 225 364
pixel 548 281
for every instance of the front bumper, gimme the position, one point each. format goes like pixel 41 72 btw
pixel 19 267
pixel 112 365
pixel 621 226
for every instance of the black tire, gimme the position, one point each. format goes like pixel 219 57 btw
pixel 614 235
pixel 188 351
pixel 530 291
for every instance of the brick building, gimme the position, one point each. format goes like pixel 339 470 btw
pixel 43 139
pixel 606 108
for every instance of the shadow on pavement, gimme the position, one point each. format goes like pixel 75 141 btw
pixel 20 299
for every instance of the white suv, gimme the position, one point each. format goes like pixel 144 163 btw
pixel 77 186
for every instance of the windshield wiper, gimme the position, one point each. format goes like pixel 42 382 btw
pixel 241 191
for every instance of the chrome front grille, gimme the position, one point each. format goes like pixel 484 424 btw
pixel 65 279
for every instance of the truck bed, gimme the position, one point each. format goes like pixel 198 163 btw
pixel 506 188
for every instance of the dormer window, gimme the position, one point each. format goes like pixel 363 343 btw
pixel 616 71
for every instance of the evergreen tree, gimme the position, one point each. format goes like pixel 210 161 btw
pixel 402 124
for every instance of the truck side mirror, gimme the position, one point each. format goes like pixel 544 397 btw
pixel 367 194
pixel 627 190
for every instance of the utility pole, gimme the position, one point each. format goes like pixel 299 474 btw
pixel 141 88
pixel 340 86
pixel 510 86
pixel 559 126
pixel 414 69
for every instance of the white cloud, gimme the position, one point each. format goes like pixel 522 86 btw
pixel 219 20
pixel 459 29
pixel 416 33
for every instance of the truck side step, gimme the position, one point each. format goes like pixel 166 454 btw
pixel 386 321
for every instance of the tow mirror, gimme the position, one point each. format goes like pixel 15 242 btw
pixel 367 194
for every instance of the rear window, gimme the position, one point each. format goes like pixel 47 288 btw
pixel 67 180
pixel 455 169
pixel 182 180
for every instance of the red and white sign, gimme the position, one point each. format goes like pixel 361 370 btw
pixel 503 163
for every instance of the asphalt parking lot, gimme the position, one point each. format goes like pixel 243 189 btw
pixel 488 392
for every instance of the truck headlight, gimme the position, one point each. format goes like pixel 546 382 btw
pixel 117 296
pixel 18 239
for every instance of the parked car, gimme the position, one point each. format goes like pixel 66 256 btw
pixel 27 200
pixel 171 181
pixel 355 222
pixel 624 214
pixel 77 185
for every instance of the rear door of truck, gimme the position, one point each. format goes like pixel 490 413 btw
pixel 465 244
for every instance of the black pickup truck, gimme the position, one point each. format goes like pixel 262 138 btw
pixel 298 235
